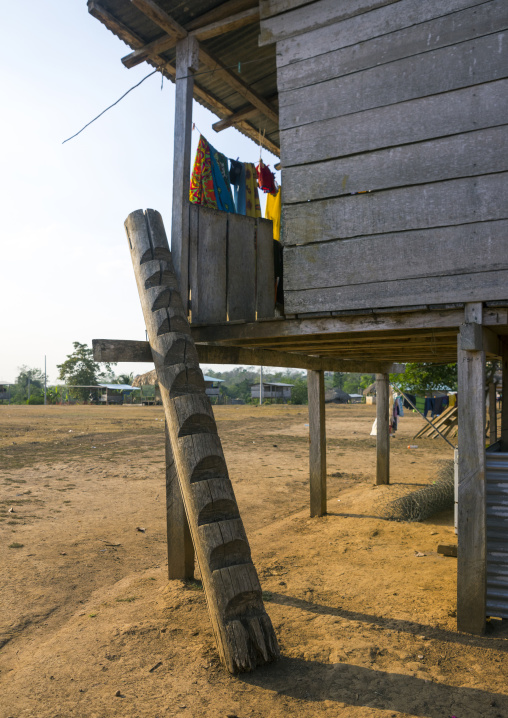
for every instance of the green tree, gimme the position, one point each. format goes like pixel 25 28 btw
pixel 80 368
pixel 339 377
pixel 29 381
pixel 422 378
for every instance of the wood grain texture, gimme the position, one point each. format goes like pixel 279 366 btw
pixel 475 199
pixel 241 268
pixel 180 547
pixel 265 276
pixel 186 65
pixel 243 631
pixel 383 430
pixel 468 287
pixel 113 350
pixel 317 442
pixel 383 22
pixel 364 260
pixel 208 266
pixel 302 19
pixel 504 400
pixel 417 120
pixel 352 323
pixel 471 559
pixel 461 155
pixel 469 63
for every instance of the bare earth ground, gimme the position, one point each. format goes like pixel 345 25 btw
pixel 366 627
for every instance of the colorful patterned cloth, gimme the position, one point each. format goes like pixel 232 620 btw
pixel 252 206
pixel 201 185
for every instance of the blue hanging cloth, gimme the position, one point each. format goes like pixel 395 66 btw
pixel 222 187
pixel 237 179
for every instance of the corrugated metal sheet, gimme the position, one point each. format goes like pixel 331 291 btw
pixel 235 49
pixel 497 534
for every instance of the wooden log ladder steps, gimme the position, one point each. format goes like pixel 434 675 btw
pixel 243 630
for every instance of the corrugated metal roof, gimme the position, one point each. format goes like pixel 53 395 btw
pixel 237 50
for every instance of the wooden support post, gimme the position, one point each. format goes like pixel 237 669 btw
pixel 504 400
pixel 180 548
pixel 317 448
pixel 472 551
pixel 383 429
pixel 492 414
pixel 186 65
pixel 244 633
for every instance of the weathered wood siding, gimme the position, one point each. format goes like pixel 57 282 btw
pixel 394 146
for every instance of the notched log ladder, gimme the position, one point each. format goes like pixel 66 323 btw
pixel 243 630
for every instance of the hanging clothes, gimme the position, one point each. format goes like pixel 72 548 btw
pixel 201 185
pixel 273 212
pixel 252 207
pixel 237 179
pixel 221 184
pixel 266 178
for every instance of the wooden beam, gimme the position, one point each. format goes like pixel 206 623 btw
pixel 174 29
pixel 119 350
pixel 390 320
pixel 317 442
pixel 228 24
pixel 161 18
pixel 186 65
pixel 180 547
pixel 472 546
pixel 383 429
pixel 130 38
pixel 243 114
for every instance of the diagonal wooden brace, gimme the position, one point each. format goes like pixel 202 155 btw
pixel 243 630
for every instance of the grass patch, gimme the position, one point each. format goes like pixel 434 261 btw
pixel 129 599
pixel 194 585
pixel 15 544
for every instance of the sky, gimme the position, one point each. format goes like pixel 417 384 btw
pixel 66 271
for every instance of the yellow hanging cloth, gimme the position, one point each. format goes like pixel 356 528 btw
pixel 272 211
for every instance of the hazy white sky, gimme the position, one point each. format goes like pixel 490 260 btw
pixel 66 272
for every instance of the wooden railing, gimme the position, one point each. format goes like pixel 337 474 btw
pixel 231 271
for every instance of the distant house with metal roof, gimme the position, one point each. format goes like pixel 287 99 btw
pixel 149 379
pixel 272 390
pixel 5 391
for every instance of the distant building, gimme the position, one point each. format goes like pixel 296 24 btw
pixel 272 390
pixel 5 390
pixel 355 398
pixel 149 379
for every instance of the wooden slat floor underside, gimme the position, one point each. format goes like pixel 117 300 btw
pixel 399 337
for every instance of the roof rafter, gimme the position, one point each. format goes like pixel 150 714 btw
pixel 174 29
pixel 131 38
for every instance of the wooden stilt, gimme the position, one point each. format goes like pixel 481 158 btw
pixel 383 429
pixel 317 448
pixel 180 548
pixel 472 550
pixel 186 64
pixel 244 633
pixel 504 401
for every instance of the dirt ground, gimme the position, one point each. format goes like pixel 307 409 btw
pixel 90 626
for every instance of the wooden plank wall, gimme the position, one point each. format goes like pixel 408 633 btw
pixel 231 271
pixel 406 103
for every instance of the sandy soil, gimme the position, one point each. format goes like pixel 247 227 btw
pixel 90 626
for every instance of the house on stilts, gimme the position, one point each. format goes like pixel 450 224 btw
pixel 390 120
